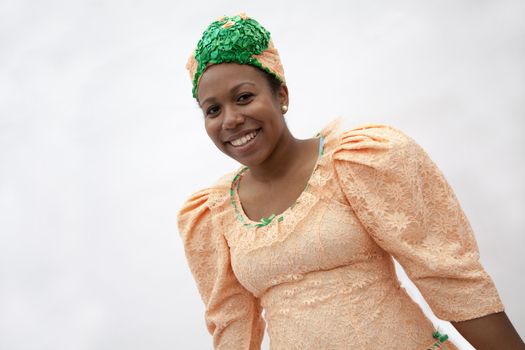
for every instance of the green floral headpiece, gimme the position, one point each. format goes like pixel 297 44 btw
pixel 238 39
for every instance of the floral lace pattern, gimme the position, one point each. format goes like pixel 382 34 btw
pixel 324 276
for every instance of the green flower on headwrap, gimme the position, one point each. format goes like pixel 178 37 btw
pixel 231 39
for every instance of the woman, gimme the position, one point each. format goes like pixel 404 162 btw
pixel 307 229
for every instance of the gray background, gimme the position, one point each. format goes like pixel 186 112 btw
pixel 101 142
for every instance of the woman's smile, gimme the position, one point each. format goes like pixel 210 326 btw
pixel 245 138
pixel 245 143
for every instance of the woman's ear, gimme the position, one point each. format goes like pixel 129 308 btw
pixel 282 94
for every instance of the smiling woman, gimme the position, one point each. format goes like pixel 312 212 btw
pixel 242 113
pixel 306 229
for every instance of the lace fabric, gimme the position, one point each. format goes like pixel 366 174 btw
pixel 324 275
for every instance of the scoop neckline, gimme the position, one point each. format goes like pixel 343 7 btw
pixel 265 221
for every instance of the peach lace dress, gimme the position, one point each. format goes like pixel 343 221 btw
pixel 322 270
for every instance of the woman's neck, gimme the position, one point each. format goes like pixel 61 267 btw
pixel 288 154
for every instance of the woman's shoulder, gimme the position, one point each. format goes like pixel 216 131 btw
pixel 196 212
pixel 378 150
pixel 210 196
pixel 365 139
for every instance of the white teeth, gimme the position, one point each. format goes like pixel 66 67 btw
pixel 244 139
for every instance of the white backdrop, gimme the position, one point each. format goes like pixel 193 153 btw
pixel 101 142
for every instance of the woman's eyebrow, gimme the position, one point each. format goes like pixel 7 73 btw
pixel 240 84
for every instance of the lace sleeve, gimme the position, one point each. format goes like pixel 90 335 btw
pixel 233 314
pixel 407 206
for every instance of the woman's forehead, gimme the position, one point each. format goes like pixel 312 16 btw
pixel 226 76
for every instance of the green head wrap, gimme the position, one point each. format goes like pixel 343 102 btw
pixel 237 39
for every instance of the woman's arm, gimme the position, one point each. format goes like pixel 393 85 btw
pixel 491 332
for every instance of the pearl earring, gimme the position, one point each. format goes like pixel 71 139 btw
pixel 284 108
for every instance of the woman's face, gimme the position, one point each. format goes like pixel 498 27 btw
pixel 242 114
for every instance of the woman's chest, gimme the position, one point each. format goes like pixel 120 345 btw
pixel 261 200
pixel 319 233
pixel 274 199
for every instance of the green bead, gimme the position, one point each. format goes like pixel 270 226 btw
pixel 443 338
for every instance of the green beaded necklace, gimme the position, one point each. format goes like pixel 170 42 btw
pixel 440 339
pixel 264 221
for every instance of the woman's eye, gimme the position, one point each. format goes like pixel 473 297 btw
pixel 212 110
pixel 244 97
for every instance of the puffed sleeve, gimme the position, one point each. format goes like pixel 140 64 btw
pixel 232 313
pixel 409 209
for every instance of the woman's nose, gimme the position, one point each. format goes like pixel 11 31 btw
pixel 231 119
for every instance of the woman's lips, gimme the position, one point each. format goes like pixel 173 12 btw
pixel 245 143
pixel 245 139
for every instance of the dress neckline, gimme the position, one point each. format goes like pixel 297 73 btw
pixel 237 205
